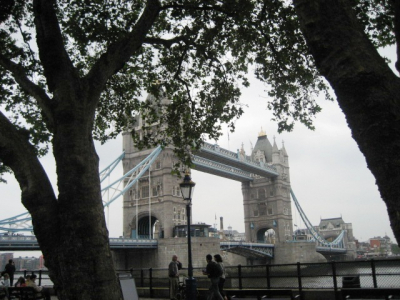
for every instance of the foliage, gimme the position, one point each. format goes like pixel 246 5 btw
pixel 197 53
pixel 395 249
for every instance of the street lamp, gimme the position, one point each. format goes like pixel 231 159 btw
pixel 187 188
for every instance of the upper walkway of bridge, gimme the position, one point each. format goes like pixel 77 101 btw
pixel 221 162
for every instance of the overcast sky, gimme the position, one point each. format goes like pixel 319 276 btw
pixel 329 175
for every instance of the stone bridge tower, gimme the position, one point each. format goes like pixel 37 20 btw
pixel 154 205
pixel 267 205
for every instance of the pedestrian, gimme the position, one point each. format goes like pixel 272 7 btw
pixel 20 282
pixel 10 270
pixel 221 282
pixel 6 284
pixel 6 281
pixel 41 291
pixel 213 271
pixel 173 274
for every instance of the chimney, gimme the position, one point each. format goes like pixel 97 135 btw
pixel 221 223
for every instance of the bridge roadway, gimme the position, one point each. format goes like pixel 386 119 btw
pixel 249 250
pixel 218 161
pixel 25 242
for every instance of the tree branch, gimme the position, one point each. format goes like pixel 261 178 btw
pixel 57 65
pixel 19 74
pixel 121 51
pixel 19 155
pixel 167 43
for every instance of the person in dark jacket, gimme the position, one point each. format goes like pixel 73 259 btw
pixel 10 270
pixel 213 271
pixel 221 283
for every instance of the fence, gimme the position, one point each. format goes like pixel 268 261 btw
pixel 300 276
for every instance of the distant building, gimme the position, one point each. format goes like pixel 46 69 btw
pixel 29 263
pixel 41 262
pixel 380 246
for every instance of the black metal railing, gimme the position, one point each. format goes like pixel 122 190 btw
pixel 300 276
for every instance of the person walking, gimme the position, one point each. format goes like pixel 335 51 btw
pixel 213 271
pixel 221 282
pixel 173 274
pixel 10 270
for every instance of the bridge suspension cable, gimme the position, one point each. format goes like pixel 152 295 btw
pixel 338 242
pixel 133 176
pixel 22 222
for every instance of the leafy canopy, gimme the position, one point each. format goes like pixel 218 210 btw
pixel 197 53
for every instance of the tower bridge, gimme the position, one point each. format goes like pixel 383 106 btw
pixel 153 208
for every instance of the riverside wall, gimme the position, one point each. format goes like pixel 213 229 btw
pixel 303 252
pixel 161 257
pixel 285 253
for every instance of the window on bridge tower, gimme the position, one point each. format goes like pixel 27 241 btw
pixel 176 191
pixel 156 190
pixel 145 191
pixel 270 211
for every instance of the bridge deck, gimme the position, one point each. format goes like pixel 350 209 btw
pixel 232 159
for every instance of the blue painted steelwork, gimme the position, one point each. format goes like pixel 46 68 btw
pixel 22 222
pixel 15 223
pixel 337 245
pixel 23 242
pixel 215 168
pixel 133 176
pixel 108 170
pixel 215 153
pixel 255 250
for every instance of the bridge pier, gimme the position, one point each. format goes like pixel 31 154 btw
pixel 303 252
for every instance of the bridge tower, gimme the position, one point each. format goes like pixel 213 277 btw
pixel 154 205
pixel 267 205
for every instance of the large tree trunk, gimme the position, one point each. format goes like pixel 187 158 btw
pixel 83 264
pixel 71 230
pixel 367 90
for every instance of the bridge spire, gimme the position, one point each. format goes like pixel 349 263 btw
pixel 262 132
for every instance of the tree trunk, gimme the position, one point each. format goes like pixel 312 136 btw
pixel 366 88
pixel 71 230
pixel 83 266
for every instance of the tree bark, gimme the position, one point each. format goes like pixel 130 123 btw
pixel 366 89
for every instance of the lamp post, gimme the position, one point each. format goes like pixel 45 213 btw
pixel 187 188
